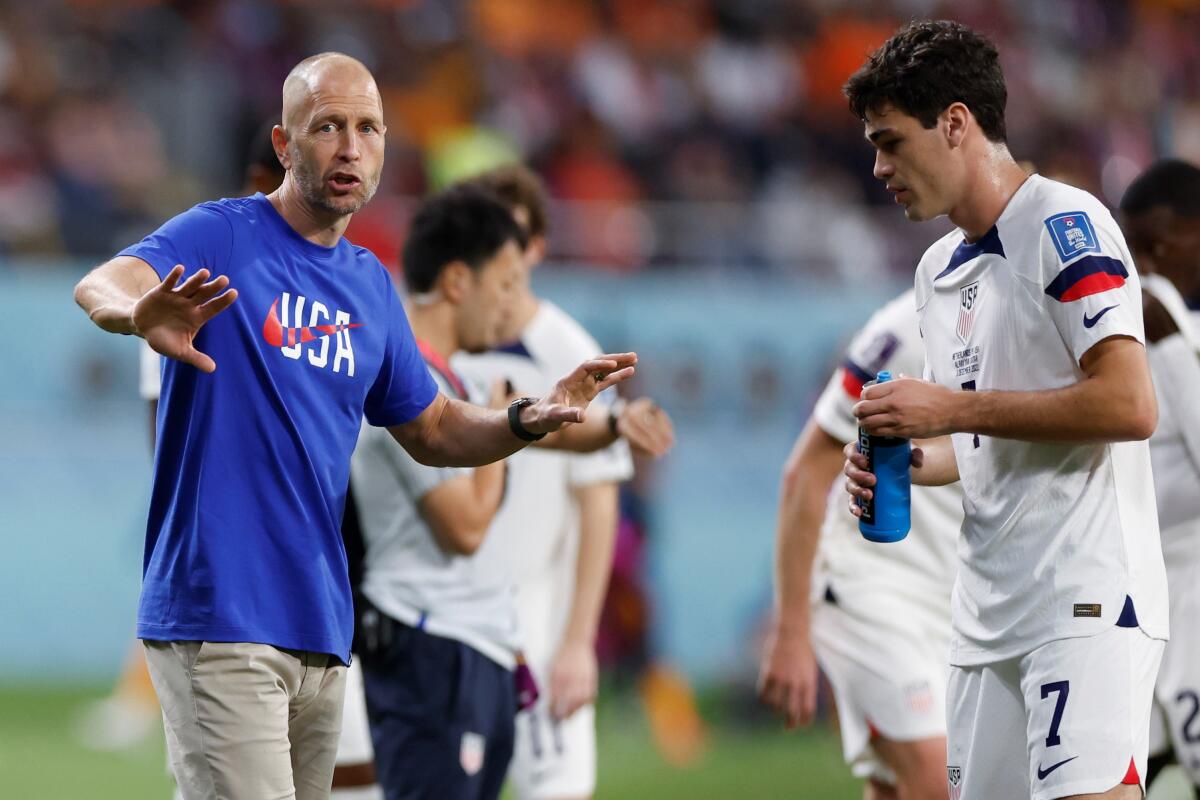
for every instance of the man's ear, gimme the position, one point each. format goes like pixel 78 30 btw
pixel 956 119
pixel 455 281
pixel 279 140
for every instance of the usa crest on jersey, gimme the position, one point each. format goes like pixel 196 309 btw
pixel 470 752
pixel 968 301
pixel 954 778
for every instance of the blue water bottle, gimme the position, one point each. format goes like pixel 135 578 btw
pixel 885 516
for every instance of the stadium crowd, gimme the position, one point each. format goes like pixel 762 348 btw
pixel 670 132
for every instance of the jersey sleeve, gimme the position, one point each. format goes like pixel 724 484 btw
pixel 149 372
pixel 1090 287
pixel 403 388
pixel 881 345
pixel 201 237
pixel 613 464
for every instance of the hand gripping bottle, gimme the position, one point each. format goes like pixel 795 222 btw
pixel 885 516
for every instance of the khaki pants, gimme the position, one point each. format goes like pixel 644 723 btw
pixel 248 721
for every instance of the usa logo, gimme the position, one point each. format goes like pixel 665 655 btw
pixel 954 778
pixel 285 328
pixel 470 752
pixel 968 301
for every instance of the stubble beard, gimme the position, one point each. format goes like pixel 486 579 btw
pixel 312 189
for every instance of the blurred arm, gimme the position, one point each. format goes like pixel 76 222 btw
pixel 460 510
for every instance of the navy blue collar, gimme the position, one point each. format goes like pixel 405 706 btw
pixel 968 251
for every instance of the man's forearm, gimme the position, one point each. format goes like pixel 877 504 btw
pixel 598 515
pixel 939 465
pixel 108 293
pixel 811 469
pixel 593 434
pixel 460 434
pixel 1113 402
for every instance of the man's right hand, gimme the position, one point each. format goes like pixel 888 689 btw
pixel 787 680
pixel 169 315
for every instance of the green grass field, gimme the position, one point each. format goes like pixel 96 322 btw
pixel 39 760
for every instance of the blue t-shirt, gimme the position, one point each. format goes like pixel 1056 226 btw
pixel 243 542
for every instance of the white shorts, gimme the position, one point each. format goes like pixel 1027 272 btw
pixel 1176 722
pixel 551 759
pixel 888 668
pixel 354 746
pixel 1072 717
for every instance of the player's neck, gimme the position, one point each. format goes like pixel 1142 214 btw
pixel 318 226
pixel 433 323
pixel 987 193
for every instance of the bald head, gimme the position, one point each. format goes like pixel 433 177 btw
pixel 325 75
pixel 331 140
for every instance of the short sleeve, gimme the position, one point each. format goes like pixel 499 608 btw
pixel 403 388
pixel 613 464
pixel 200 237
pixel 149 372
pixel 1090 286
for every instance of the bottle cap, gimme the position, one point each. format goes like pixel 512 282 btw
pixel 883 377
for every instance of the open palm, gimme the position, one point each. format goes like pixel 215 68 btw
pixel 169 315
pixel 570 397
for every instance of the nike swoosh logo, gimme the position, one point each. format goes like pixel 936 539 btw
pixel 1042 773
pixel 275 333
pixel 1089 322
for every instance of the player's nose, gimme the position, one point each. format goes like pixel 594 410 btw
pixel 883 169
pixel 350 147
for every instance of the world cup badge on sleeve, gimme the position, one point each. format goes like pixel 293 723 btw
pixel 954 778
pixel 968 301
pixel 470 752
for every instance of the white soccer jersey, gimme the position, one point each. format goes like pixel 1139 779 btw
pixel 920 568
pixel 407 574
pixel 1175 445
pixel 149 372
pixel 536 529
pixel 1059 540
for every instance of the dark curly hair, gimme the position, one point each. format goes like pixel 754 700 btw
pixel 926 67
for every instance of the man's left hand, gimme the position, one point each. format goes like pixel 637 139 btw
pixel 568 401
pixel 573 678
pixel 907 408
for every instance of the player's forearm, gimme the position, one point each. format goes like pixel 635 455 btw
pixel 108 303
pixel 939 465
pixel 458 434
pixel 488 484
pixel 812 467
pixel 593 434
pixel 598 515
pixel 1119 406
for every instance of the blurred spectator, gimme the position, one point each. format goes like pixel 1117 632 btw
pixel 699 133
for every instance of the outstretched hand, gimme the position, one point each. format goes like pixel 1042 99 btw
pixel 169 315
pixel 567 402
pixel 647 427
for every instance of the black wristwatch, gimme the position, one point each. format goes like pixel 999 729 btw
pixel 514 420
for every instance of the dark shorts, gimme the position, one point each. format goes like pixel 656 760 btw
pixel 442 718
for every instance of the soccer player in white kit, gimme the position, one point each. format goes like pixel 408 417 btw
pixel 1160 214
pixel 1039 399
pixel 877 617
pixel 556 531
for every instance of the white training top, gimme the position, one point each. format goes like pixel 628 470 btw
pixel 149 372
pixel 537 528
pixel 1059 540
pixel 1175 445
pixel 406 573
pixel 920 568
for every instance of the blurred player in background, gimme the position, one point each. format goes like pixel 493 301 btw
pixel 557 528
pixel 1031 314
pixel 438 634
pixel 246 609
pixel 132 712
pixel 876 616
pixel 1160 213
